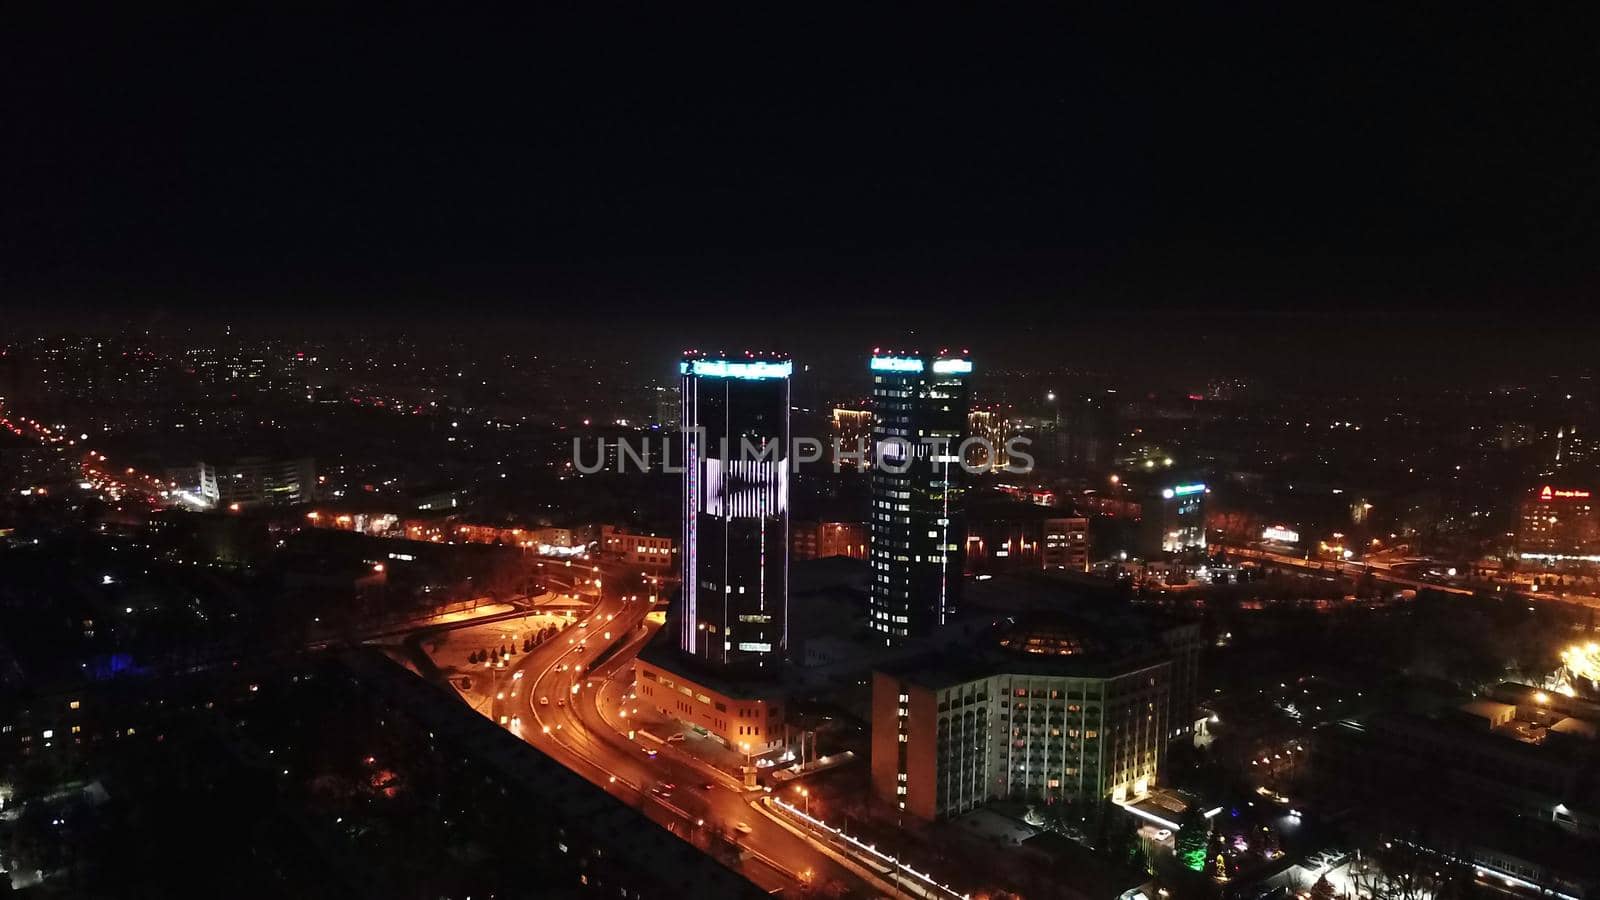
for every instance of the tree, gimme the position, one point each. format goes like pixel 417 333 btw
pixel 1190 844
pixel 1322 890
pixel 1398 870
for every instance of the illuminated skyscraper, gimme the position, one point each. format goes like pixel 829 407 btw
pixel 735 597
pixel 1560 524
pixel 1172 518
pixel 918 527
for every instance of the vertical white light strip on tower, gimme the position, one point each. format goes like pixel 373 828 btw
pixel 688 428
pixel 783 508
pixel 761 523
pixel 944 542
pixel 727 430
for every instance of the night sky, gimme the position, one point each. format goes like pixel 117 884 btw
pixel 986 173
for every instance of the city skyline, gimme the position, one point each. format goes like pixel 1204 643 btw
pixel 653 453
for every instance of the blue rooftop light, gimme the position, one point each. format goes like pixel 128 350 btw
pixel 754 370
pixel 896 364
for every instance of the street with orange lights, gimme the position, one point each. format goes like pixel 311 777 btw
pixel 577 714
pixel 115 483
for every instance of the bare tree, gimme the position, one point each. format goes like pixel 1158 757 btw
pixel 1398 870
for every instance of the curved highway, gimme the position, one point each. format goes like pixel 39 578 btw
pixel 572 713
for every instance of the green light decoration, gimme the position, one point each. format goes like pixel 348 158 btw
pixel 1190 844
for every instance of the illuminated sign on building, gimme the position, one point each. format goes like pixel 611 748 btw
pixel 1281 534
pixel 746 489
pixel 726 368
pixel 1183 490
pixel 897 364
pixel 1549 493
pixel 952 366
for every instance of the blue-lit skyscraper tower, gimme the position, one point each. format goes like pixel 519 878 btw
pixel 918 523
pixel 735 596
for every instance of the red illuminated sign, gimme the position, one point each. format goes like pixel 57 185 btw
pixel 1550 493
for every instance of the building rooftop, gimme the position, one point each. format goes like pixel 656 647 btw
pixel 662 652
pixel 1488 709
pixel 1053 650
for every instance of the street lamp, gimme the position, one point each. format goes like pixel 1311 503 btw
pixel 745 746
pixel 807 795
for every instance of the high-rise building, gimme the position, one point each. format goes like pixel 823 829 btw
pixel 1559 523
pixel 1066 544
pixel 852 431
pixel 918 529
pixel 734 610
pixel 1173 518
pixel 253 481
pixel 820 540
pixel 1575 453
pixel 1056 712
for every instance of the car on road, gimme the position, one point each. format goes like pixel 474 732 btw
pixel 561 701
pixel 675 737
pixel 742 827
pixel 544 701
pixel 650 752
pixel 708 786
pixel 661 791
pixel 1163 834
